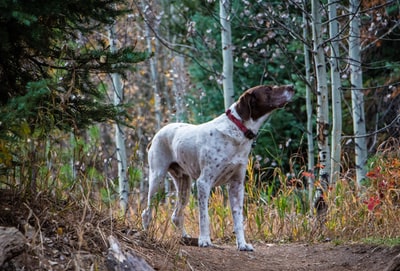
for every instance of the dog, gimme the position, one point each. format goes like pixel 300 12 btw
pixel 213 153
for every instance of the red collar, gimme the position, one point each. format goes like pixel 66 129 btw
pixel 247 132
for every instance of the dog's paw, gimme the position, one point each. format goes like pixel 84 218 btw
pixel 205 242
pixel 245 247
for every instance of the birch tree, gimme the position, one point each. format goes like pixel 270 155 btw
pixel 357 96
pixel 322 104
pixel 227 57
pixel 336 92
pixel 119 132
pixel 178 86
pixel 310 139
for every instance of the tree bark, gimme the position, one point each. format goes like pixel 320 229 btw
pixel 357 96
pixel 119 132
pixel 336 93
pixel 323 125
pixel 227 57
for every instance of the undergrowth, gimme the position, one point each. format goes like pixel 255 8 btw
pixel 277 211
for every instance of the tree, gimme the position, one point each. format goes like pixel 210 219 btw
pixel 118 91
pixel 49 54
pixel 41 62
pixel 150 22
pixel 357 96
pixel 323 125
pixel 309 109
pixel 227 56
pixel 336 88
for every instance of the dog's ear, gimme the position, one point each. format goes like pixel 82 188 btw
pixel 245 104
pixel 261 93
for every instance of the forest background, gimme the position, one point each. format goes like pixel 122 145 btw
pixel 63 62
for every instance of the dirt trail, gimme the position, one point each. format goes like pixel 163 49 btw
pixel 284 257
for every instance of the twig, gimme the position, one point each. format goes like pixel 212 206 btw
pixel 377 131
pixel 39 230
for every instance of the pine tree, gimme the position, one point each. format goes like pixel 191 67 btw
pixel 49 52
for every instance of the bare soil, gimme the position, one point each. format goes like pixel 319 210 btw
pixel 291 256
pixel 63 236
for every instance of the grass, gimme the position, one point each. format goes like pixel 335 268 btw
pixel 382 241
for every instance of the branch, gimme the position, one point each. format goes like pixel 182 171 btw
pixel 377 131
pixel 381 37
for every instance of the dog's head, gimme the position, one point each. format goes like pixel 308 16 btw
pixel 261 100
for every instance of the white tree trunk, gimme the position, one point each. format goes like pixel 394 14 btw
pixel 336 93
pixel 322 102
pixel 310 138
pixel 227 55
pixel 179 86
pixel 119 132
pixel 153 73
pixel 357 96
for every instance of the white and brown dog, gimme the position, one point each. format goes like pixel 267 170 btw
pixel 213 153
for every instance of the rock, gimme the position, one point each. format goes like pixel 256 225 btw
pixel 120 260
pixel 12 244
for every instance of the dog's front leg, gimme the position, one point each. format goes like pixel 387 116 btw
pixel 236 196
pixel 203 193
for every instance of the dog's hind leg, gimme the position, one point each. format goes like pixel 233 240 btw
pixel 159 162
pixel 156 177
pixel 182 185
